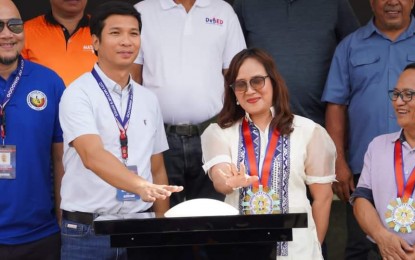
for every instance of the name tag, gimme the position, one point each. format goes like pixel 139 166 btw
pixel 8 162
pixel 123 195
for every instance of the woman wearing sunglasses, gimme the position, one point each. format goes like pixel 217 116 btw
pixel 261 156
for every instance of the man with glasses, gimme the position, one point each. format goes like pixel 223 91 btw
pixel 61 40
pixel 30 139
pixel 366 64
pixel 384 197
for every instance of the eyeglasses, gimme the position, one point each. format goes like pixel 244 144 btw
pixel 256 83
pixel 14 25
pixel 406 95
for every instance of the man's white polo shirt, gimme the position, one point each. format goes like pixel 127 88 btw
pixel 84 109
pixel 183 55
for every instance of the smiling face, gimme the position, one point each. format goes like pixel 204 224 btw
pixel 405 111
pixel 256 103
pixel 392 15
pixel 119 42
pixel 11 44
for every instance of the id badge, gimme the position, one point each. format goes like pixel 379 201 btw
pixel 8 162
pixel 123 195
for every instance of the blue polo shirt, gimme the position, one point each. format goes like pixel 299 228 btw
pixel 366 64
pixel 32 124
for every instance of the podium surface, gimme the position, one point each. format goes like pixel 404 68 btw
pixel 147 230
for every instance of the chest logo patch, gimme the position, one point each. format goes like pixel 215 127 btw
pixel 214 20
pixel 88 48
pixel 37 100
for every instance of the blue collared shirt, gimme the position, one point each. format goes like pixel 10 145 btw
pixel 32 125
pixel 365 66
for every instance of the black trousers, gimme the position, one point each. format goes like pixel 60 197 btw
pixel 48 248
pixel 183 162
pixel 212 252
pixel 358 246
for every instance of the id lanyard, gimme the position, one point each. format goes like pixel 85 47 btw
pixel 122 124
pixel 253 164
pixel 405 188
pixel 9 93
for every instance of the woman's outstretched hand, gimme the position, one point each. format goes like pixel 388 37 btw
pixel 238 179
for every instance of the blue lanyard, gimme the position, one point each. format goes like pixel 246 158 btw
pixel 9 93
pixel 122 124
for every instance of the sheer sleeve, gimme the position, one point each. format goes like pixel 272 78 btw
pixel 321 157
pixel 215 147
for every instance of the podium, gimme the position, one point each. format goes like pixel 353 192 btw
pixel 141 231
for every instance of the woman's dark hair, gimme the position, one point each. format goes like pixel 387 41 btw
pixel 231 112
pixel 103 11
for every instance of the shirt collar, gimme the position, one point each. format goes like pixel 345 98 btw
pixel 371 28
pixel 110 84
pixel 399 136
pixel 25 71
pixel 12 76
pixel 168 4
pixel 14 72
pixel 248 117
pixel 410 31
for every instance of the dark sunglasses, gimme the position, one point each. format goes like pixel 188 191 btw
pixel 14 25
pixel 256 83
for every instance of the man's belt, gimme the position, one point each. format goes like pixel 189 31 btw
pixel 86 218
pixel 189 130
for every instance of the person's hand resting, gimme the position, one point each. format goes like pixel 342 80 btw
pixel 393 247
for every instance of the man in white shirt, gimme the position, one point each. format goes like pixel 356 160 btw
pixel 113 139
pixel 186 47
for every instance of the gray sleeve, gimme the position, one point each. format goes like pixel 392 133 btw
pixel 347 21
pixel 238 7
pixel 364 193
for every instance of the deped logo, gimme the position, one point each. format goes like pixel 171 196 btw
pixel 214 21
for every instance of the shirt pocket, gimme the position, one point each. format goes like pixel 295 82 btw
pixel 411 58
pixel 366 69
pixel 73 229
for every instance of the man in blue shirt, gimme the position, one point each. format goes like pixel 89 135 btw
pixel 365 66
pixel 30 139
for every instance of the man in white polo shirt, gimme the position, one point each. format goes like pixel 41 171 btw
pixel 186 46
pixel 113 139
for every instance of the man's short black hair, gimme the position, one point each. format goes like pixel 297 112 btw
pixel 409 66
pixel 106 9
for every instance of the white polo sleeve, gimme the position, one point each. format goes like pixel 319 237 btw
pixel 75 112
